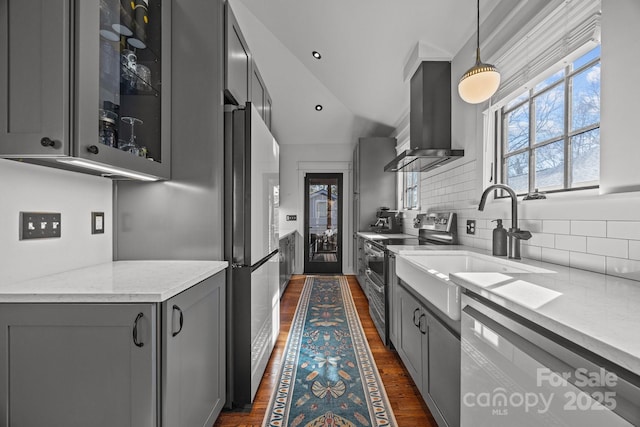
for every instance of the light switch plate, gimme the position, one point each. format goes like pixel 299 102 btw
pixel 40 225
pixel 97 222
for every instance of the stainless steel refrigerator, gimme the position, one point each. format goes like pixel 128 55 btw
pixel 251 245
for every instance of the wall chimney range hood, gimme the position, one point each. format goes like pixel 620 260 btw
pixel 429 121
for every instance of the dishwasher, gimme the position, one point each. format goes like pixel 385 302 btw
pixel 517 373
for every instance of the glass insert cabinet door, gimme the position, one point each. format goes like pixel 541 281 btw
pixel 86 82
pixel 130 72
pixel 125 122
pixel 129 99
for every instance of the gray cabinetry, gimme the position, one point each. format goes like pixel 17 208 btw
pixel 444 370
pixel 34 70
pixel 410 346
pixel 238 71
pixel 287 260
pixel 115 364
pixel 260 96
pixel 67 100
pixel 394 297
pixel 430 351
pixel 257 91
pixel 243 81
pixel 193 369
pixel 78 365
pixel 372 187
pixel 292 255
pixel 359 264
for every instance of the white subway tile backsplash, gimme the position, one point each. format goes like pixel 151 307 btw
pixel 532 225
pixel 634 249
pixel 589 243
pixel 484 233
pixel 571 243
pixel 531 252
pixel 555 256
pixel 543 239
pixel 610 247
pixel 589 262
pixel 556 226
pixel 623 268
pixel 589 228
pixel 470 167
pixel 623 229
pixel 482 244
pixel 482 223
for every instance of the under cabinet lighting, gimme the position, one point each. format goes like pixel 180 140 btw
pixel 108 169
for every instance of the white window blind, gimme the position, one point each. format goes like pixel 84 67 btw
pixel 558 30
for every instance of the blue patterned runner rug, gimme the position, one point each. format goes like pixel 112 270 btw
pixel 328 376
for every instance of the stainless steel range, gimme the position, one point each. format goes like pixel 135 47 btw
pixel 434 229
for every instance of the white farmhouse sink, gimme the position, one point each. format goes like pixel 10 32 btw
pixel 427 272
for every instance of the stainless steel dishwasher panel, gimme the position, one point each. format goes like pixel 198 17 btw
pixel 516 373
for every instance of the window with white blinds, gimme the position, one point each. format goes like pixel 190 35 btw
pixel 543 131
pixel 560 33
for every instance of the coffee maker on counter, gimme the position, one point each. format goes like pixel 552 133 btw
pixel 387 221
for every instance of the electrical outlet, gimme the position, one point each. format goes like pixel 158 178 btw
pixel 292 217
pixel 97 222
pixel 40 225
pixel 471 226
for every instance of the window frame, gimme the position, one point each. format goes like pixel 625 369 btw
pixel 500 124
pixel 408 190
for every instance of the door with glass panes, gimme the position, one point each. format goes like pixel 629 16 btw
pixel 323 223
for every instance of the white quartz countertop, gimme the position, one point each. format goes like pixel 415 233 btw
pixel 113 282
pixel 598 312
pixel 381 236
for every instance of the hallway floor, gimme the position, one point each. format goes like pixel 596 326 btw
pixel 408 406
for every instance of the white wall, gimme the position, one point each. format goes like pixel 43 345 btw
pixel 32 188
pixel 295 160
pixel 590 229
pixel 620 94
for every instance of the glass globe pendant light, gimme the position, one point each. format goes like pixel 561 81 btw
pixel 481 81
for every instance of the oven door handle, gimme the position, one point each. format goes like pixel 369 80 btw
pixel 374 250
pixel 372 282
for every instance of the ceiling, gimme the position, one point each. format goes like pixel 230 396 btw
pixel 365 45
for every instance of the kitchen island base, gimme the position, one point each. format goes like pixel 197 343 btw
pixel 119 364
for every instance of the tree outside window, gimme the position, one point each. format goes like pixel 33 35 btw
pixel 551 132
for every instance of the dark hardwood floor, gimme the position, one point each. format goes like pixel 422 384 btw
pixel 406 402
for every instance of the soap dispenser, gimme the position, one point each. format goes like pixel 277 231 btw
pixel 499 239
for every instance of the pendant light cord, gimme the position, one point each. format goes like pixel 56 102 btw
pixel 478 34
pixel 478 26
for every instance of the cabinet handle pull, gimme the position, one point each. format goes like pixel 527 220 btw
pixel 416 324
pixel 47 142
pixel 93 149
pixel 175 307
pixel 135 331
pixel 420 325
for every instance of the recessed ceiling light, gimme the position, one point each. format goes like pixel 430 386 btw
pixel 318 107
pixel 316 54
